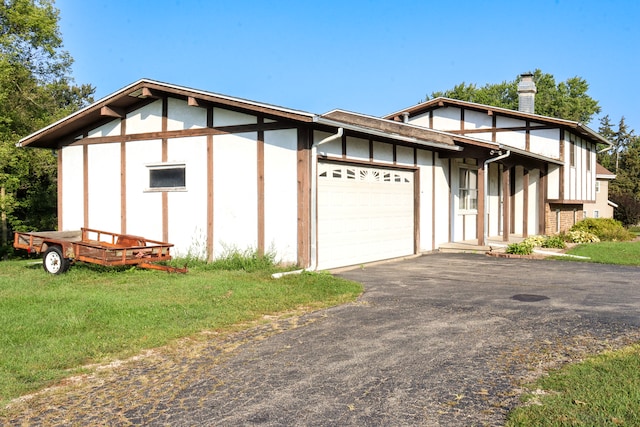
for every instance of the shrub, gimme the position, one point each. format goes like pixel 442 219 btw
pixel 535 241
pixel 606 229
pixel 522 248
pixel 579 236
pixel 554 242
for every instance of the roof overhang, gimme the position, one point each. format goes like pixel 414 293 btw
pixel 388 129
pixel 119 103
pixel 440 102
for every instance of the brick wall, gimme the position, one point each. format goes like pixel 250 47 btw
pixel 568 216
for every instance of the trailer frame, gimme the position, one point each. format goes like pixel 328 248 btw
pixel 61 249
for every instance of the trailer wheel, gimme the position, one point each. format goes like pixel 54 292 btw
pixel 54 262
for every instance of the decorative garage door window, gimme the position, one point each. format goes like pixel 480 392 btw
pixel 167 177
pixel 366 174
pixel 365 214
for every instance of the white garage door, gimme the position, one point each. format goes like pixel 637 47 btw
pixel 364 214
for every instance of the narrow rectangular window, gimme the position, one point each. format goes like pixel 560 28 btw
pixel 572 153
pixel 596 214
pixel 167 177
pixel 597 186
pixel 468 190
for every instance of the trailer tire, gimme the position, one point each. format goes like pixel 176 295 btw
pixel 53 261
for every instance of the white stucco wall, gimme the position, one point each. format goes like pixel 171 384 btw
pixel 72 188
pixel 357 148
pixel 222 117
pixel 477 120
pixel 145 119
pixel 545 142
pixel 104 186
pixel 144 208
pixel 182 116
pixel 425 163
pixel 447 118
pixel 108 129
pixel 442 200
pixel 281 194
pixel 382 152
pixel 187 210
pixel 235 192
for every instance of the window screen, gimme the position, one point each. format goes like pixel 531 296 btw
pixel 167 177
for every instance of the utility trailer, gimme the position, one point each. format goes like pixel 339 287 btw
pixel 60 249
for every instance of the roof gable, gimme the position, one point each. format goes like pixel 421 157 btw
pixel 442 102
pixel 138 94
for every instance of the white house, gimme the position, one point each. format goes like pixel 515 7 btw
pixel 210 173
pixel 602 207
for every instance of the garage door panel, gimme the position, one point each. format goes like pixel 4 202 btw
pixel 364 214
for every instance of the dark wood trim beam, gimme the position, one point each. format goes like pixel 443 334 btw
pixel 112 112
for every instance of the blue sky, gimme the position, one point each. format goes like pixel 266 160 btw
pixel 372 57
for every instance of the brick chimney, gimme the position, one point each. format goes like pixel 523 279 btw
pixel 526 93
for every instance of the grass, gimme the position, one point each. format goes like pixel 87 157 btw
pixel 620 253
pixel 52 326
pixel 601 391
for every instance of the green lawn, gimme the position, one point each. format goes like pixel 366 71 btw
pixel 601 391
pixel 621 253
pixel 51 326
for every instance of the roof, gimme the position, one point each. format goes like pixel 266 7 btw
pixel 136 93
pixel 389 129
pixel 604 173
pixel 446 102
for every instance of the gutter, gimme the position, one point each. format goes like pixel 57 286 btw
pixel 486 192
pixel 314 197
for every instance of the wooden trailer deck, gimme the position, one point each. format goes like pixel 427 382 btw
pixel 61 248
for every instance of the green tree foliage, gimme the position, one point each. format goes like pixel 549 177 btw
pixel 566 100
pixel 35 89
pixel 624 160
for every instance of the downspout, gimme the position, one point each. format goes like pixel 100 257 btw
pixel 314 196
pixel 314 203
pixel 486 191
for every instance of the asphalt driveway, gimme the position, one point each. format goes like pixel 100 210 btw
pixel 442 339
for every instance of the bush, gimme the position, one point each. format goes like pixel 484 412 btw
pixel 522 248
pixel 556 242
pixel 579 236
pixel 606 229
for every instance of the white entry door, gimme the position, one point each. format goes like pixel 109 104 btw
pixel 364 214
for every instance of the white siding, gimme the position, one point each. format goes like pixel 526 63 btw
pixel 494 207
pixel 533 220
pixel 235 191
pixel 281 194
pixel 425 163
pixel 404 155
pixel 545 142
pixel 144 209
pixel 553 182
pixel 477 120
pixel 223 117
pixel 447 118
pixel 382 152
pixel 108 129
pixel 104 186
pixel 331 148
pixel 182 116
pixel 357 148
pixel 442 200
pixel 145 119
pixel 187 210
pixel 72 188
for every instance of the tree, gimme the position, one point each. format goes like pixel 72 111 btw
pixel 566 100
pixel 35 89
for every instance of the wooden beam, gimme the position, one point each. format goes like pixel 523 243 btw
pixel 148 93
pixel 194 102
pixel 112 112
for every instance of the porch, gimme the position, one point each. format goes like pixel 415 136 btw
pixel 494 243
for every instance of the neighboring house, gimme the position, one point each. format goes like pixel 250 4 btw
pixel 603 207
pixel 212 173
